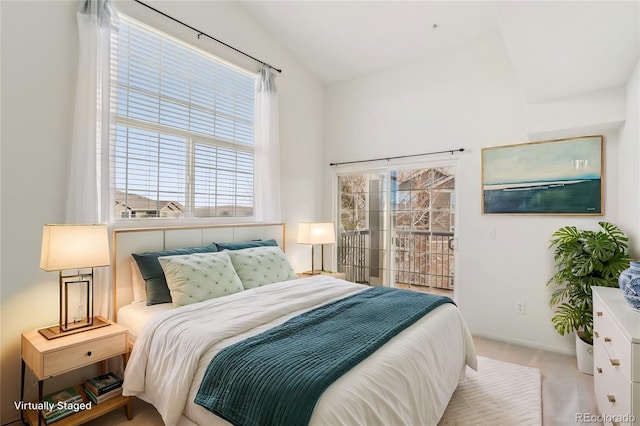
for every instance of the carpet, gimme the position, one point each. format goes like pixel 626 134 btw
pixel 499 393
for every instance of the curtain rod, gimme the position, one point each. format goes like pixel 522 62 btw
pixel 200 33
pixel 452 151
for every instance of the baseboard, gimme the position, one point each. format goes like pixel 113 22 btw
pixel 527 343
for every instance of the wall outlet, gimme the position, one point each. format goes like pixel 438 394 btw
pixel 520 308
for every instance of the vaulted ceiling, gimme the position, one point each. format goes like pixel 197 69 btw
pixel 557 48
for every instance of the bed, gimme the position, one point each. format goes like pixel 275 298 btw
pixel 408 380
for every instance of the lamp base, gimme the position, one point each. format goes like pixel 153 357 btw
pixel 56 331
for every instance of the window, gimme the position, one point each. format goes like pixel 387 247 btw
pixel 183 143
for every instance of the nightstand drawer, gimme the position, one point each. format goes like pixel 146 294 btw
pixel 73 357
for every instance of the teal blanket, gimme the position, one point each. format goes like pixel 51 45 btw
pixel 277 377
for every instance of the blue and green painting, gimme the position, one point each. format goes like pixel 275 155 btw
pixel 555 177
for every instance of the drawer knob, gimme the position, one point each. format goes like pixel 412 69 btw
pixel 599 370
pixel 607 339
pixel 614 361
pixel 89 353
pixel 599 314
pixel 595 334
pixel 611 398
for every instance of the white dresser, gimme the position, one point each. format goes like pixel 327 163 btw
pixel 616 351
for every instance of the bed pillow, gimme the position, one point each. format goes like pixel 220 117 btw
pixel 139 291
pixel 260 266
pixel 246 244
pixel 193 278
pixel 155 282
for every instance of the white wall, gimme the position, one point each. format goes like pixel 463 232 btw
pixel 629 158
pixel 468 99
pixel 38 69
pixel 584 114
pixel 39 58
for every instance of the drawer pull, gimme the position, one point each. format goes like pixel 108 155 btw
pixel 599 314
pixel 599 370
pixel 614 361
pixel 607 339
pixel 611 398
pixel 595 334
pixel 89 353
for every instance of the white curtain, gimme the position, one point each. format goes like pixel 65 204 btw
pixel 267 148
pixel 89 187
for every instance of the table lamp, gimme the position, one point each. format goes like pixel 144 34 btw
pixel 316 233
pixel 68 247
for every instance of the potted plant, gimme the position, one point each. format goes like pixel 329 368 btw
pixel 583 259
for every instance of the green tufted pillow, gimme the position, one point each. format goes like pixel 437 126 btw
pixel 261 265
pixel 156 284
pixel 197 277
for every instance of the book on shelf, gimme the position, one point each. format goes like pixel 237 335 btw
pixel 62 404
pixel 97 399
pixel 58 416
pixel 103 384
pixel 55 401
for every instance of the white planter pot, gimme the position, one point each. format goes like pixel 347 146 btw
pixel 584 354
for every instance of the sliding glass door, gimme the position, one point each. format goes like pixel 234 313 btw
pixel 397 227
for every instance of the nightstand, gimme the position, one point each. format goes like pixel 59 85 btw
pixel 50 358
pixel 339 275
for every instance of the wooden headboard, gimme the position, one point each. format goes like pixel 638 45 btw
pixel 139 240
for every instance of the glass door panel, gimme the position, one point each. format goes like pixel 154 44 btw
pixel 361 227
pixel 422 227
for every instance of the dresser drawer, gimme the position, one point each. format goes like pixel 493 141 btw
pixel 73 357
pixel 608 335
pixel 612 387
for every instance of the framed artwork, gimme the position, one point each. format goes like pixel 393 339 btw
pixel 555 177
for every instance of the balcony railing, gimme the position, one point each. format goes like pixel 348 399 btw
pixel 352 255
pixel 421 258
pixel 424 258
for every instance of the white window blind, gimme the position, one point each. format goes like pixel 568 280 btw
pixel 183 143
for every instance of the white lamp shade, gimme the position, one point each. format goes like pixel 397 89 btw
pixel 316 233
pixel 74 247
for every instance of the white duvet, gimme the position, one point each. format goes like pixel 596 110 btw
pixel 408 381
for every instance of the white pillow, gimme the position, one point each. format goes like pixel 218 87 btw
pixel 197 277
pixel 261 265
pixel 139 285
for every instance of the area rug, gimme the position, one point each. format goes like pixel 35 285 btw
pixel 499 393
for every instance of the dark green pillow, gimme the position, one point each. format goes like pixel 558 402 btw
pixel 156 283
pixel 246 244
